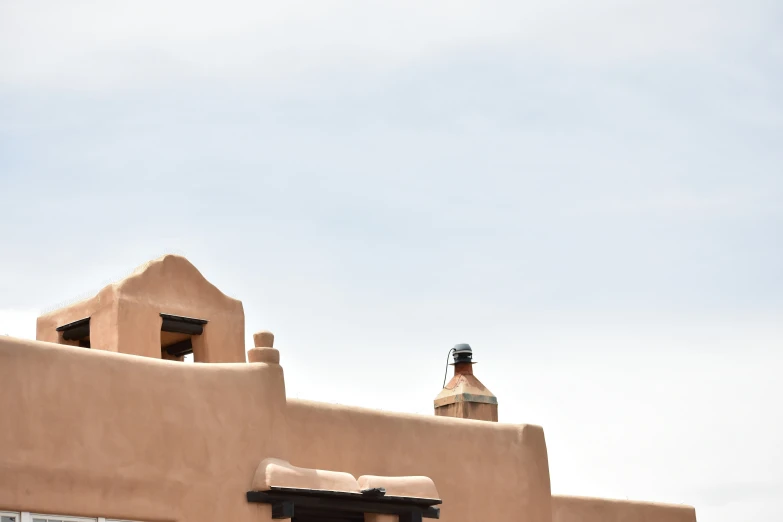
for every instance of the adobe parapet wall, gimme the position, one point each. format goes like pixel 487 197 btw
pixel 102 434
pixel 585 509
pixel 483 471
pixel 97 433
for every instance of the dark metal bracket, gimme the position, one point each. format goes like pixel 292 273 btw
pixel 76 331
pixel 179 324
pixel 319 505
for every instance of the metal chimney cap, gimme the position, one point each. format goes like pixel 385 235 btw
pixel 463 353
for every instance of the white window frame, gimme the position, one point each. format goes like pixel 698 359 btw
pixel 26 516
pixel 64 518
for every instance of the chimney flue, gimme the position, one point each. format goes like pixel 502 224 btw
pixel 465 396
pixel 463 353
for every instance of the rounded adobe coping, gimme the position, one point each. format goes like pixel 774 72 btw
pixel 416 487
pixel 280 473
pixel 576 500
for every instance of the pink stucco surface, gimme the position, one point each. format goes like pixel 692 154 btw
pixel 116 431
pixel 585 509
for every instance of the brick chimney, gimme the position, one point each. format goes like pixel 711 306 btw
pixel 464 396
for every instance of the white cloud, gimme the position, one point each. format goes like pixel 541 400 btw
pixel 109 44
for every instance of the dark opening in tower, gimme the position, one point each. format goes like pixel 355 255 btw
pixel 176 336
pixel 76 333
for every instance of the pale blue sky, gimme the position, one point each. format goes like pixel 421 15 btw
pixel 589 195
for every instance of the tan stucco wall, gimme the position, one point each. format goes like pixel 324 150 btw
pixel 483 471
pixel 94 433
pixel 584 509
pixel 173 285
pixel 102 311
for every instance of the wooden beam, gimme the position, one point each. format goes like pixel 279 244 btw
pixel 180 324
pixel 318 505
pixel 180 349
pixel 76 330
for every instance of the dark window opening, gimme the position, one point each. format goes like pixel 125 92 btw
pixel 176 334
pixel 314 515
pixel 77 332
pixel 180 349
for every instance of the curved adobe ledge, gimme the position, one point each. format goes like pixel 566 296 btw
pixel 592 509
pixel 411 487
pixel 278 473
pixel 318 493
pixel 281 474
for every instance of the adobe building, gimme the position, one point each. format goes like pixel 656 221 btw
pixel 103 422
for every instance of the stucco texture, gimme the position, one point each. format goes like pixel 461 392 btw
pixel 583 509
pixel 94 433
pixel 482 470
pixel 125 316
pixel 97 433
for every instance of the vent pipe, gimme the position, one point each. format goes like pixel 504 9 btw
pixel 464 396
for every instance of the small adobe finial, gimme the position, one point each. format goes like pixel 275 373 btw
pixel 264 339
pixel 263 351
